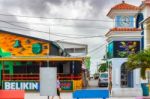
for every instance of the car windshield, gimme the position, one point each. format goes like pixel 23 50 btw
pixel 104 75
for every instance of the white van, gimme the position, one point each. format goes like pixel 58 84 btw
pixel 103 79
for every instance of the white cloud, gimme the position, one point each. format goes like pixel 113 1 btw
pixel 82 9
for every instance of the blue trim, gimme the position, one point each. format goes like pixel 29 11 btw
pixel 131 21
pixel 140 17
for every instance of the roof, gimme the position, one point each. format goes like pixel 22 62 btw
pixel 147 20
pixel 123 6
pixel 17 34
pixel 58 41
pixel 147 1
pixel 144 3
pixel 124 29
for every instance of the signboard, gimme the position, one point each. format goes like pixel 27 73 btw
pixel 48 81
pixel 124 48
pixel 23 85
pixel 66 85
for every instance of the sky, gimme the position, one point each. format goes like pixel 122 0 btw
pixel 79 21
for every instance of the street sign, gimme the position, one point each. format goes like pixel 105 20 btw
pixel 48 81
pixel 66 85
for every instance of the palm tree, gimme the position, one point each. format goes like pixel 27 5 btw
pixel 140 60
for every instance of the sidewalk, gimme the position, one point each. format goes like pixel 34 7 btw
pixel 32 95
pixel 67 95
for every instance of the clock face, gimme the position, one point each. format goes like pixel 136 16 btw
pixel 125 21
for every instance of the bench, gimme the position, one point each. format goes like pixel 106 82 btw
pixel 12 94
pixel 91 93
pixel 144 97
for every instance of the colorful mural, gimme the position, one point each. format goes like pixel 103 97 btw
pixel 124 48
pixel 22 46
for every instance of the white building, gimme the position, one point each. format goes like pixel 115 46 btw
pixel 143 20
pixel 145 10
pixel 74 49
pixel 123 40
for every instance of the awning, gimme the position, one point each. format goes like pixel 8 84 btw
pixel 41 59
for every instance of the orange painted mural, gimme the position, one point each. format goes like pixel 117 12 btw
pixel 23 46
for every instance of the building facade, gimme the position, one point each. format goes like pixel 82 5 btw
pixel 123 39
pixel 22 56
pixel 145 8
pixel 74 49
pixel 143 21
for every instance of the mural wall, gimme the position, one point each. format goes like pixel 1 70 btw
pixel 123 48
pixel 15 45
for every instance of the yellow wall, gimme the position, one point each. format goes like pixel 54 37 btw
pixel 77 84
pixel 8 40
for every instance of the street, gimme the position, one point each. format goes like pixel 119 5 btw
pixel 93 84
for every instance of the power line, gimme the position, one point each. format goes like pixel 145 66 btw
pixel 71 19
pixel 48 32
pixel 52 34
pixel 58 35
pixel 97 48
pixel 60 25
pixel 54 18
pixel 94 53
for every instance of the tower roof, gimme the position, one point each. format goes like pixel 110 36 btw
pixel 123 6
pixel 123 30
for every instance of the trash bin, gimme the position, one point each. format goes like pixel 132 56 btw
pixel 145 89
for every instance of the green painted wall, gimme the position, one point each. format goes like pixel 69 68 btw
pixel 8 65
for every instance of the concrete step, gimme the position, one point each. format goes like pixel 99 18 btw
pixel 122 98
pixel 126 92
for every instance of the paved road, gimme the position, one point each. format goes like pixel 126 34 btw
pixel 63 96
pixel 32 95
pixel 93 84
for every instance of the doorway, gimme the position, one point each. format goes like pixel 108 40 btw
pixel 126 77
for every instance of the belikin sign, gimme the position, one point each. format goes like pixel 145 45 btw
pixel 30 85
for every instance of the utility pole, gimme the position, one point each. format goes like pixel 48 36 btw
pixel 97 66
pixel 48 51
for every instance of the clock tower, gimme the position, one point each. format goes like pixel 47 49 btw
pixel 123 39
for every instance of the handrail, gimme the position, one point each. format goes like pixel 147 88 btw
pixel 36 77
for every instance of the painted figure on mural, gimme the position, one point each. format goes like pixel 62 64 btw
pixel 124 48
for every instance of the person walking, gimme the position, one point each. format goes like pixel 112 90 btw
pixel 58 88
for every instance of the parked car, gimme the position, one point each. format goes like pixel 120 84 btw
pixel 91 76
pixel 103 80
pixel 96 75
